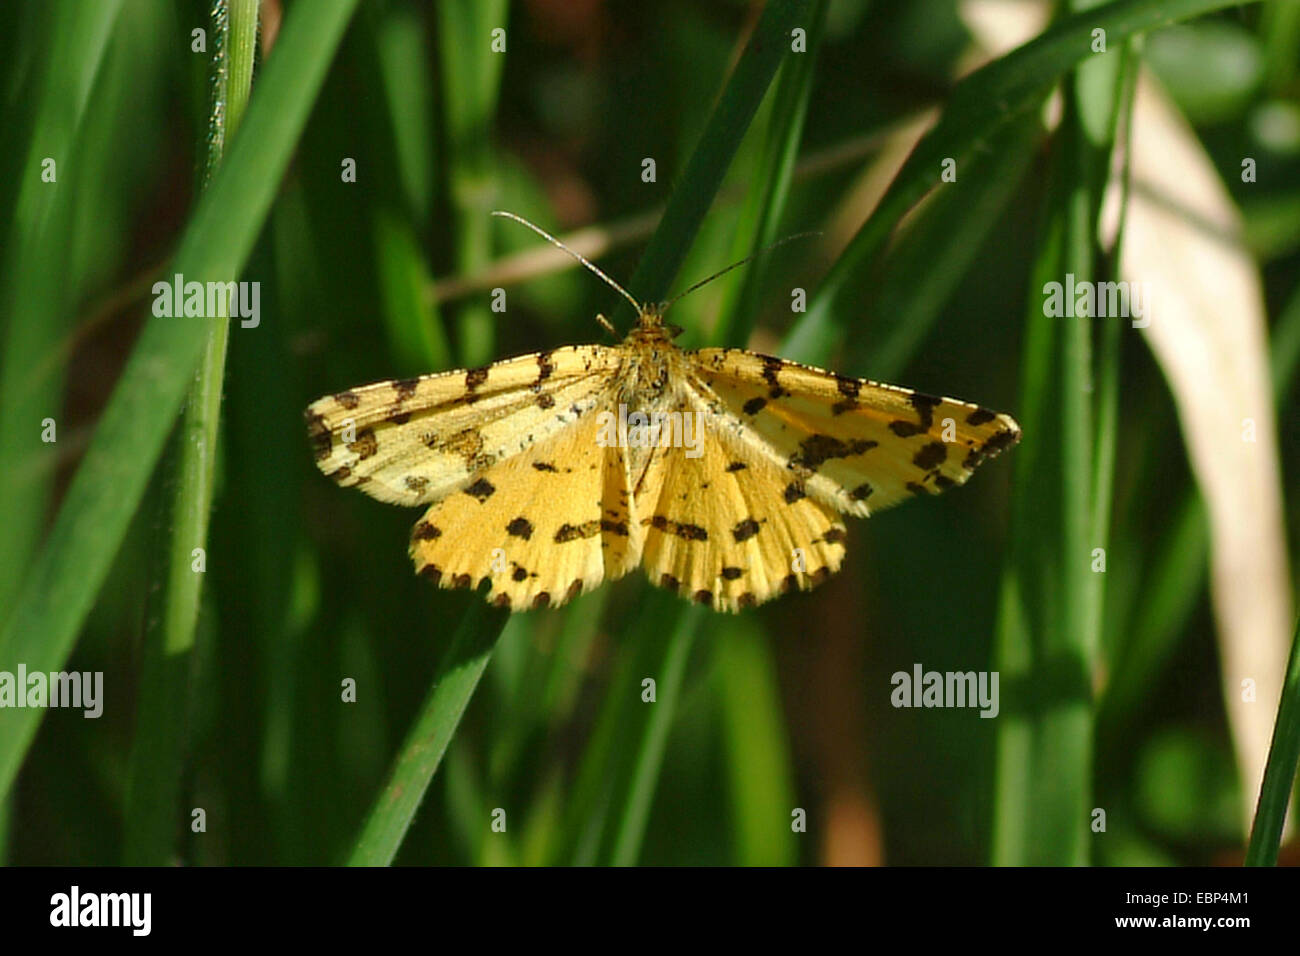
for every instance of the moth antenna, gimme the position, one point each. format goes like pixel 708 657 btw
pixel 581 258
pixel 736 265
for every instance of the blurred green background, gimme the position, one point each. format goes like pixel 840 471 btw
pixel 224 689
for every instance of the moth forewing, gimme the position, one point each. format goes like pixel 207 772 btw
pixel 860 446
pixel 414 441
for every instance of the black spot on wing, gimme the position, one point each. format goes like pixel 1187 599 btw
pixel 816 449
pixel 576 532
pixel 925 405
pixel 681 529
pixel 931 455
pixel 365 445
pixel 520 527
pixel 474 378
pixel 545 367
pixel 771 368
pixel 905 429
pixel 322 442
pixel 481 489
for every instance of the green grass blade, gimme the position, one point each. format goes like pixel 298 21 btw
pixel 1028 594
pixel 63 581
pixel 1279 773
pixel 159 750
pixel 425 744
pixel 759 771
pixel 471 78
pixel 790 99
pixel 940 245
pixel 652 741
pixel 718 144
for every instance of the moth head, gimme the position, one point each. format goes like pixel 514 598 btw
pixel 652 317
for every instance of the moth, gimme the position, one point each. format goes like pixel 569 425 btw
pixel 724 473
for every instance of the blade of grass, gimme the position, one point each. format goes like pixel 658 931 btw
pixel 708 164
pixel 940 245
pixel 419 756
pixel 1279 774
pixel 636 799
pixel 790 99
pixel 759 771
pixel 400 63
pixel 158 751
pixel 1053 646
pixel 64 579
pixel 1028 594
pixel 471 80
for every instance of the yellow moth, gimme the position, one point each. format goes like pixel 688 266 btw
pixel 723 472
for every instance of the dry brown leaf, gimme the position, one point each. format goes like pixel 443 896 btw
pixel 1182 240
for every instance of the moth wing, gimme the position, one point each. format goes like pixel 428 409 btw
pixel 414 441
pixel 542 526
pixel 721 526
pixel 857 446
